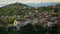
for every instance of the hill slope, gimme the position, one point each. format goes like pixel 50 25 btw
pixel 18 8
pixel 14 9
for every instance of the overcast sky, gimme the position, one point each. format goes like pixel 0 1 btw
pixel 27 1
pixel 6 2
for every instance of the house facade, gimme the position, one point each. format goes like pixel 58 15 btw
pixel 20 23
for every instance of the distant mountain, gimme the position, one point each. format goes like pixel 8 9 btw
pixel 42 4
pixel 1 5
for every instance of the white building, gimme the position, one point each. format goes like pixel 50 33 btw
pixel 21 23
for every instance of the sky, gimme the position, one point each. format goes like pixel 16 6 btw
pixel 27 1
pixel 2 2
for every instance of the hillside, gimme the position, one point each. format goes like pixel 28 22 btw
pixel 14 9
pixel 19 8
pixel 19 18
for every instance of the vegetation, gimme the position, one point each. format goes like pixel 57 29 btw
pixel 32 29
pixel 10 12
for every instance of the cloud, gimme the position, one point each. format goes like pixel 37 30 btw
pixel 39 1
pixel 7 1
pixel 27 1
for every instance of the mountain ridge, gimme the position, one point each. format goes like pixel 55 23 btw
pixel 41 4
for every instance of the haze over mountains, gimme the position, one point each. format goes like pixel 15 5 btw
pixel 42 4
